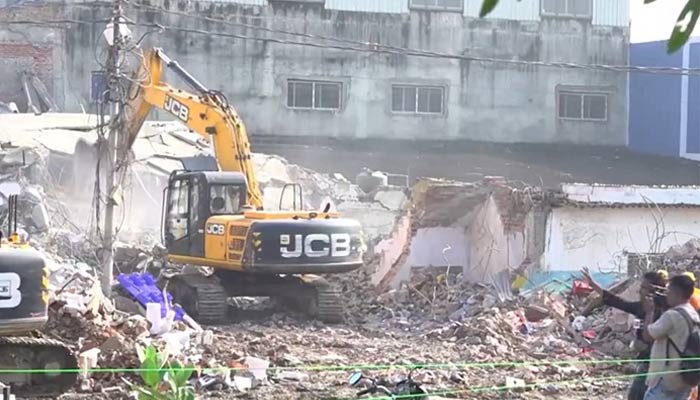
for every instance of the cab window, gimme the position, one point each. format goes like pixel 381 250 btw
pixel 226 199
pixel 179 194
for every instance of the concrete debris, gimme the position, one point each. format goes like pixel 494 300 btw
pixel 10 107
pixel 677 259
pixel 370 181
pixel 258 367
pixel 439 312
pixel 393 200
pixel 293 376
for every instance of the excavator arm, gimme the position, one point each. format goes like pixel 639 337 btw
pixel 206 112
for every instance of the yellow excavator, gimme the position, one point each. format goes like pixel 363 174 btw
pixel 216 218
pixel 29 365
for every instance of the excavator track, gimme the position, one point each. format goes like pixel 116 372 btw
pixel 202 297
pixel 25 356
pixel 326 305
pixel 310 294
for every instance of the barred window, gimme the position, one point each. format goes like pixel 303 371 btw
pixel 417 99
pixel 315 95
pixel 583 106
pixel 446 5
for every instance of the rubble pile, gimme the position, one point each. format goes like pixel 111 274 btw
pixel 377 210
pixel 275 172
pixel 435 319
pixel 540 325
pixel 429 321
pixel 682 258
pixel 677 259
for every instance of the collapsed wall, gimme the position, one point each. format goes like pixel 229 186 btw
pixel 476 230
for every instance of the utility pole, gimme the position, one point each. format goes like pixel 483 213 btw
pixel 114 93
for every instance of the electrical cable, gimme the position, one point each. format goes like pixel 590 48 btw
pixel 384 49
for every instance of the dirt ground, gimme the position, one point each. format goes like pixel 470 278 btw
pixel 322 357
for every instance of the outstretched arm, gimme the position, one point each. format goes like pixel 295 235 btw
pixel 611 300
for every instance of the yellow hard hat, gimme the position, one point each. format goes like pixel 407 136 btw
pixel 663 273
pixel 690 275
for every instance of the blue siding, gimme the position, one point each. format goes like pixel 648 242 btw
pixel 693 132
pixel 654 109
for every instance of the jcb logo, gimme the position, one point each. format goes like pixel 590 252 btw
pixel 315 245
pixel 216 229
pixel 176 108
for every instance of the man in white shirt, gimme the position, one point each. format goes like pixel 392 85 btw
pixel 672 328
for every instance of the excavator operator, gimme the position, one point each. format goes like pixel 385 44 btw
pixel 226 199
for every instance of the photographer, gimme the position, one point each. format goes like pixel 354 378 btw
pixel 653 284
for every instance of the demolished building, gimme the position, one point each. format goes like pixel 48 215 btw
pixel 483 231
pixel 488 229
pixel 456 244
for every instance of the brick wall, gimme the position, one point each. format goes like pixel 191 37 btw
pixel 18 58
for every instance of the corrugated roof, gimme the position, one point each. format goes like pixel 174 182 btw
pixel 611 13
pixel 376 6
pixel 506 9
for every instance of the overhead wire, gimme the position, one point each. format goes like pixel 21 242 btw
pixel 366 47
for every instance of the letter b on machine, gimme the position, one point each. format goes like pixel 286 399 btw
pixel 176 108
pixel 315 245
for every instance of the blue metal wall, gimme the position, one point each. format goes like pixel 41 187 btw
pixel 654 105
pixel 693 126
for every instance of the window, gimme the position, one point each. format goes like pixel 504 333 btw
pixel 226 199
pixel 447 5
pixel 317 95
pixel 177 222
pixel 567 8
pixel 179 198
pixel 583 106
pixel 417 99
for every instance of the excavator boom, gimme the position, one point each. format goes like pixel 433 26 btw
pixel 206 112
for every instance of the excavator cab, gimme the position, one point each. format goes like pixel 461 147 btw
pixel 190 199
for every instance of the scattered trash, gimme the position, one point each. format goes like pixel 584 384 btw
pixel 293 376
pixel 514 383
pixel 258 367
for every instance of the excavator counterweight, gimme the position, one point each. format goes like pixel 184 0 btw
pixel 32 366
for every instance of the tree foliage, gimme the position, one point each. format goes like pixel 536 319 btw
pixel 679 36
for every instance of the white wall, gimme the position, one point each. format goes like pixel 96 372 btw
pixel 492 249
pixel 391 249
pixel 426 250
pixel 597 237
pixel 480 248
